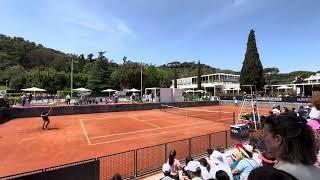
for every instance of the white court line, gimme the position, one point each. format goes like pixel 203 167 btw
pixel 144 122
pixel 27 139
pixel 147 120
pixel 101 118
pixel 85 132
pixel 107 142
pixel 145 130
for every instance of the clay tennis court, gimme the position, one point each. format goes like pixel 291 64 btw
pixel 24 146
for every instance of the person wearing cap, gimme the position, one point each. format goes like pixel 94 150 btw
pixel 292 142
pixel 276 110
pixel 246 164
pixel 217 159
pixel 193 167
pixel 166 171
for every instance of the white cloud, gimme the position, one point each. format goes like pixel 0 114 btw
pixel 87 18
pixel 238 2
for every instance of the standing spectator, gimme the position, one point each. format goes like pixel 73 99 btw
pixel 246 164
pixel 174 163
pixel 152 97
pixel 68 99
pixel 235 101
pixel 23 99
pixel 292 142
pixel 30 98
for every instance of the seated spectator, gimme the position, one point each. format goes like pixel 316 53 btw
pixel 263 159
pixel 227 158
pixel 246 164
pixel 166 171
pixel 314 115
pixel 292 142
pixel 209 151
pixel 222 175
pixel 185 174
pixel 193 167
pixel 236 156
pixel 217 159
pixel 205 168
pixel 267 173
pixel 174 163
pixel 117 176
pixel 276 110
pixel 286 109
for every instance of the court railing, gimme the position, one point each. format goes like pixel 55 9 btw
pixel 133 163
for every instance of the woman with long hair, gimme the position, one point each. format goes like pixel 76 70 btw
pixel 288 138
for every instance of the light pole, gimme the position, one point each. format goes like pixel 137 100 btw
pixel 71 81
pixel 6 85
pixel 141 82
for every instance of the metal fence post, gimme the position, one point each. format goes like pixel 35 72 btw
pixel 226 135
pixel 209 141
pixel 43 174
pixel 189 146
pixel 136 163
pixel 165 152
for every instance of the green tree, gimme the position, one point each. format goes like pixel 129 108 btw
pixel 151 76
pixel 252 70
pixel 199 76
pixel 99 75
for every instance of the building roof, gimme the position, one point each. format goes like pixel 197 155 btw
pixel 313 77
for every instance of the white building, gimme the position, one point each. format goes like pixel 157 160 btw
pixel 302 89
pixel 313 79
pixel 216 83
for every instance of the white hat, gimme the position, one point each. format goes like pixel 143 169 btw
pixel 193 166
pixel 216 157
pixel 165 167
pixel 246 148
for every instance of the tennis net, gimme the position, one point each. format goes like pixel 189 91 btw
pixel 215 116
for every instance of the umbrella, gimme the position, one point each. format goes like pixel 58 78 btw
pixel 284 87
pixel 189 91
pixel 82 90
pixel 133 90
pixel 109 90
pixel 34 89
pixel 200 91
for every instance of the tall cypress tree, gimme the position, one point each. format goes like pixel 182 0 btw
pixel 199 75
pixel 252 69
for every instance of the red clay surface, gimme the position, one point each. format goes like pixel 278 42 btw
pixel 24 146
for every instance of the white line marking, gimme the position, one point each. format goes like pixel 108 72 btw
pixel 102 118
pixel 27 139
pixel 144 122
pixel 85 132
pixel 145 130
pixel 107 142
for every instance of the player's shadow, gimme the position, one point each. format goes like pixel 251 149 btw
pixel 54 128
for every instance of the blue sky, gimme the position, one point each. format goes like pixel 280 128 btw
pixel 160 31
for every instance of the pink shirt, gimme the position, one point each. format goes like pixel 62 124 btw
pixel 175 167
